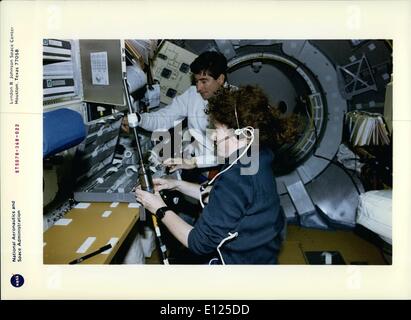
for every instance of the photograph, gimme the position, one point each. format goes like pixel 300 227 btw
pixel 156 150
pixel 321 190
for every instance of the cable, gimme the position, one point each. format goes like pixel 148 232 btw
pixel 329 160
pixel 162 246
pixel 248 132
pixel 230 236
pixel 343 168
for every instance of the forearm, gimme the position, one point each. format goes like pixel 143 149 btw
pixel 166 117
pixel 158 121
pixel 205 161
pixel 189 189
pixel 177 226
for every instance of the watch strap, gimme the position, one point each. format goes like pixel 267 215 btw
pixel 161 212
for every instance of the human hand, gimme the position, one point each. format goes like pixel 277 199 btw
pixel 164 184
pixel 152 202
pixel 179 163
pixel 133 119
pixel 124 125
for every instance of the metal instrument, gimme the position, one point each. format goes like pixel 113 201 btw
pixel 144 174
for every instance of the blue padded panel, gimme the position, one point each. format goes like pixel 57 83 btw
pixel 62 129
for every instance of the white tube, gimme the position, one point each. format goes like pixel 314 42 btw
pixel 136 78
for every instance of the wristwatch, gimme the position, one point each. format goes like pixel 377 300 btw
pixel 161 212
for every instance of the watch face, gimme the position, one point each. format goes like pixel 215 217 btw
pixel 161 212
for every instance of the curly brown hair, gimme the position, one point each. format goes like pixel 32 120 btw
pixel 253 110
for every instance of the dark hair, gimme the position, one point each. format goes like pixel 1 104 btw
pixel 253 110
pixel 210 62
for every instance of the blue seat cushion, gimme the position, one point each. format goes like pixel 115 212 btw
pixel 62 129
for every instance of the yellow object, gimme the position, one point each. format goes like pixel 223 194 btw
pixel 62 241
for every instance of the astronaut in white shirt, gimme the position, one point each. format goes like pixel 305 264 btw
pixel 209 71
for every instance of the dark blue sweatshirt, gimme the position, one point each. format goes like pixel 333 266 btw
pixel 247 204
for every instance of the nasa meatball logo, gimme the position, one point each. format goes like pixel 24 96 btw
pixel 17 280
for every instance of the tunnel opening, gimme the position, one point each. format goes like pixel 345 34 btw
pixel 282 81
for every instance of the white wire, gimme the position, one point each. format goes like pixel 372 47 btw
pixel 230 236
pixel 201 200
pixel 248 132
